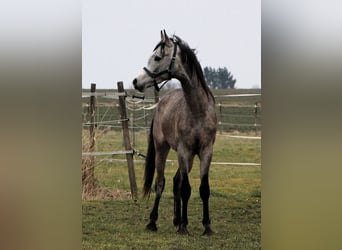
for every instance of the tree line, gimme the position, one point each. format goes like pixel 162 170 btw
pixel 219 78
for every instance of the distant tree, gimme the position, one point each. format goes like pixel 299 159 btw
pixel 219 78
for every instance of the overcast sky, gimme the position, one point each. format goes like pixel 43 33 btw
pixel 119 36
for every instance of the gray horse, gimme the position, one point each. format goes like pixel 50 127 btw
pixel 184 120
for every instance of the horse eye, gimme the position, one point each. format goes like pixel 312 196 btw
pixel 157 58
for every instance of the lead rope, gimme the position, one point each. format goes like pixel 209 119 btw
pixel 161 86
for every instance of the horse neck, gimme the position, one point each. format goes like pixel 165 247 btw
pixel 197 98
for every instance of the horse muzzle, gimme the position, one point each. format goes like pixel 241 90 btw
pixel 138 86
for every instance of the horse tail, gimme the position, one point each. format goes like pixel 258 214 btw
pixel 149 164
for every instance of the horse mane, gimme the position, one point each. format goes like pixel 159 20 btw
pixel 188 57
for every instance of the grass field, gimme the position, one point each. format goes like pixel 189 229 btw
pixel 234 202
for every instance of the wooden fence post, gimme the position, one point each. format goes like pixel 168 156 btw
pixel 256 117
pixel 92 118
pixel 221 118
pixel 125 132
pixel 88 179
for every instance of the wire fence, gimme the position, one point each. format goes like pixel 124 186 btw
pixel 235 112
pixel 132 113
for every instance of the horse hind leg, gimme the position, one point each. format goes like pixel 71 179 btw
pixel 177 199
pixel 205 192
pixel 182 192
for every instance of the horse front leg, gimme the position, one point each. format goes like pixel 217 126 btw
pixel 159 187
pixel 185 195
pixel 160 184
pixel 205 192
pixel 182 192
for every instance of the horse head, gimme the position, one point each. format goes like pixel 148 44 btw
pixel 161 64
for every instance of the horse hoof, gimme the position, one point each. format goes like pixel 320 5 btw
pixel 176 222
pixel 183 230
pixel 208 231
pixel 151 226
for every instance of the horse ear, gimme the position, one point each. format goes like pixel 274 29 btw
pixel 162 36
pixel 167 39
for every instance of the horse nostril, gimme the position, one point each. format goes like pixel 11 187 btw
pixel 135 82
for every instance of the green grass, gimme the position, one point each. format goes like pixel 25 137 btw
pixel 234 201
pixel 120 225
pixel 235 190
